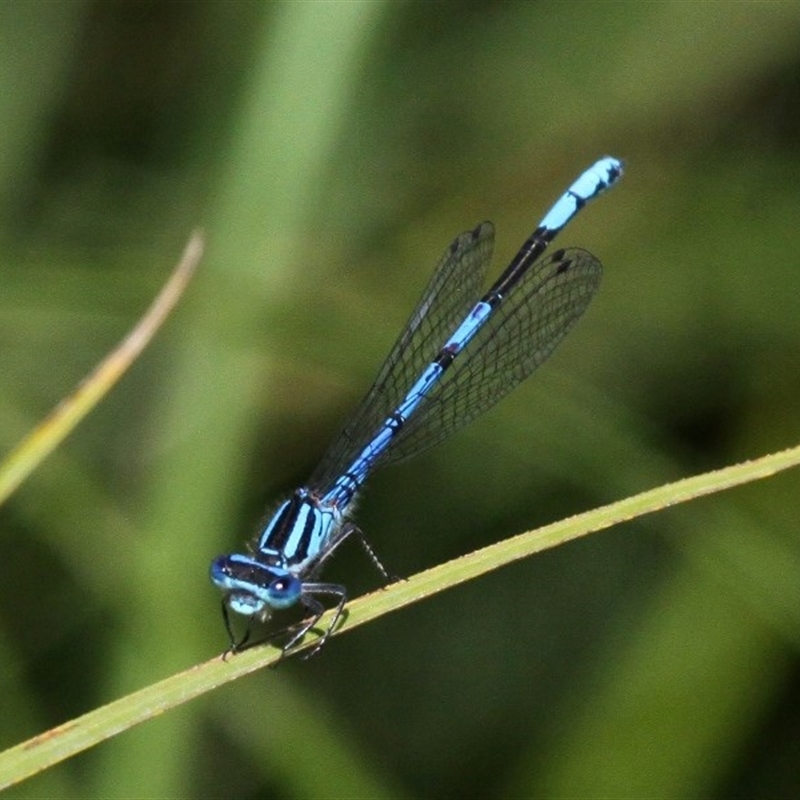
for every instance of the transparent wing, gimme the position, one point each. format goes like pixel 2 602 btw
pixel 537 314
pixel 454 288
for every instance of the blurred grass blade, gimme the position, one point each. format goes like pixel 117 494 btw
pixel 46 436
pixel 51 747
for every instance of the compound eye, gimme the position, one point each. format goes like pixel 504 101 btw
pixel 285 591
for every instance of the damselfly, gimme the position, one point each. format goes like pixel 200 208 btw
pixel 457 356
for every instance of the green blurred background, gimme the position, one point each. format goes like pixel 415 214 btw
pixel 332 151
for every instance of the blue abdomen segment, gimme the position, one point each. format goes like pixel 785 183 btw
pixel 345 488
pixel 599 177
